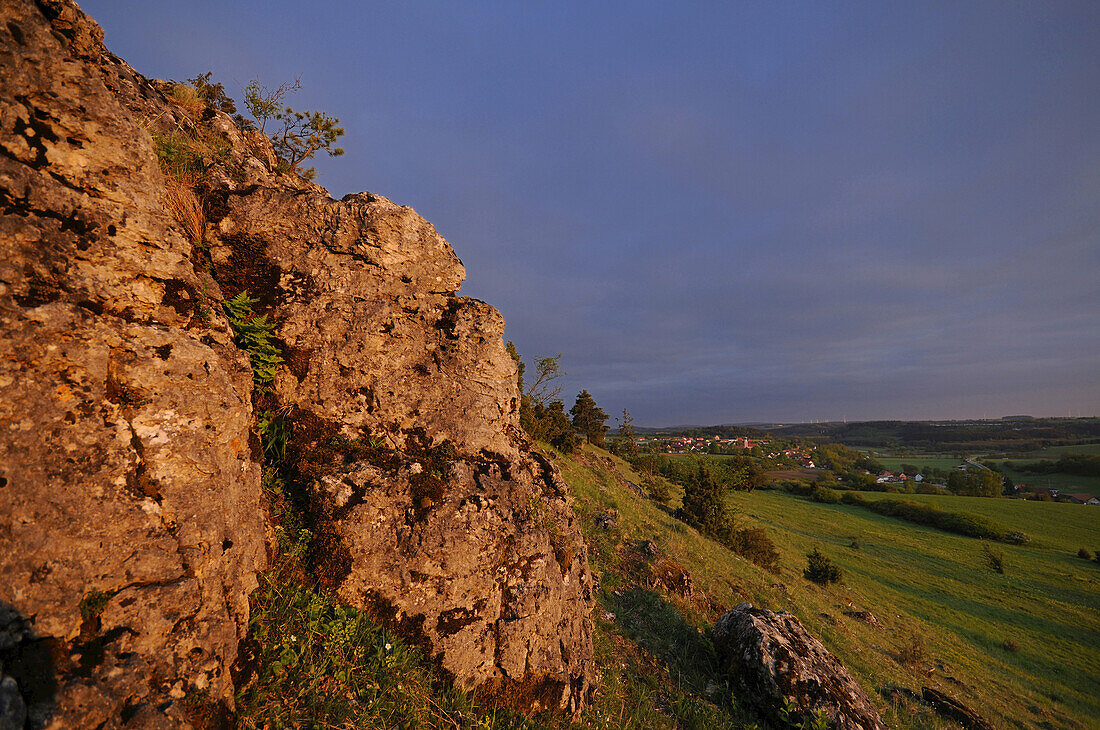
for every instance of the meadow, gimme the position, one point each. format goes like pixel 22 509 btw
pixel 1022 647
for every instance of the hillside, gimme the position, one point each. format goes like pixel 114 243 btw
pixel 1020 647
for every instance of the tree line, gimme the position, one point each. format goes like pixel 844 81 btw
pixel 543 416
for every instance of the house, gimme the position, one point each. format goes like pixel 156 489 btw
pixel 1081 498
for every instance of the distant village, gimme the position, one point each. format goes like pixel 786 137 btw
pixel 803 457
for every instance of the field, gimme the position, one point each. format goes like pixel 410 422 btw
pixel 1065 482
pixel 1022 647
pixel 1053 452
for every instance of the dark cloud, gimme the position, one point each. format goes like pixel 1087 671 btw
pixel 759 212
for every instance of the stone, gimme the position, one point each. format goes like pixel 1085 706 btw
pixel 954 710
pixel 13 712
pixel 132 522
pixel 773 660
pixel 126 478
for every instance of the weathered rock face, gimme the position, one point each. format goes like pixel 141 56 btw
pixel 129 536
pixel 131 516
pixel 458 534
pixel 773 658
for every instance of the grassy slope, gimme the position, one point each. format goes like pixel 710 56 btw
pixel 918 582
pixel 721 580
pixel 936 586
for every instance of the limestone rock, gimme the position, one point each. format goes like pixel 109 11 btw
pixel 954 710
pixel 480 560
pixel 132 522
pixel 773 659
pixel 128 495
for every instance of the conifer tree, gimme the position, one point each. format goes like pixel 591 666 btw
pixel 589 419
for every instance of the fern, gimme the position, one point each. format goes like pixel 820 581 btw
pixel 253 335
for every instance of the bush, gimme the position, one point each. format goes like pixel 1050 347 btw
pixel 820 569
pixel 913 654
pixel 918 513
pixel 826 495
pixel 854 498
pixel 755 545
pixel 658 489
pixel 1084 554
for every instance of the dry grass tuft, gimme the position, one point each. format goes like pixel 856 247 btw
pixel 188 99
pixel 185 207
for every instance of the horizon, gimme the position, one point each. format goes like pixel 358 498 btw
pixel 818 422
pixel 742 214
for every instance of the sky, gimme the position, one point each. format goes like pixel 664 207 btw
pixel 721 212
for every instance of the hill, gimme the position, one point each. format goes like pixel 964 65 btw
pixel 1020 646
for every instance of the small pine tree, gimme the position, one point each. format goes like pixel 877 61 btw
pixel 302 134
pixel 820 569
pixel 625 445
pixel 589 419
pixel 705 509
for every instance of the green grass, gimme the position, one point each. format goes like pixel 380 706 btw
pixel 1053 452
pixel 1022 648
pixel 1065 482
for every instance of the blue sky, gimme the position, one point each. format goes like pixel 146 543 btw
pixel 722 212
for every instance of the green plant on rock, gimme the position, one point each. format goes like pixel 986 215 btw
pixel 253 334
pixel 273 434
pixel 301 134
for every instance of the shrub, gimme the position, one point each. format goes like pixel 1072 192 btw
pixel 213 94
pixel 994 559
pixel 913 654
pixel 854 498
pixel 959 523
pixel 1084 554
pixel 754 544
pixel 825 495
pixel 1010 645
pixel 820 569
pixel 659 489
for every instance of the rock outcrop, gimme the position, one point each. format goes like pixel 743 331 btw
pixel 129 536
pixel 776 662
pixel 457 533
pixel 132 521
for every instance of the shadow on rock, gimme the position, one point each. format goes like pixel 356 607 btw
pixel 28 677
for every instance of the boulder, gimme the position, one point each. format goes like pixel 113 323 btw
pixel 954 710
pixel 776 663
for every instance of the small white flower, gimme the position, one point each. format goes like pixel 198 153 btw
pixel 389 646
pixel 293 637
